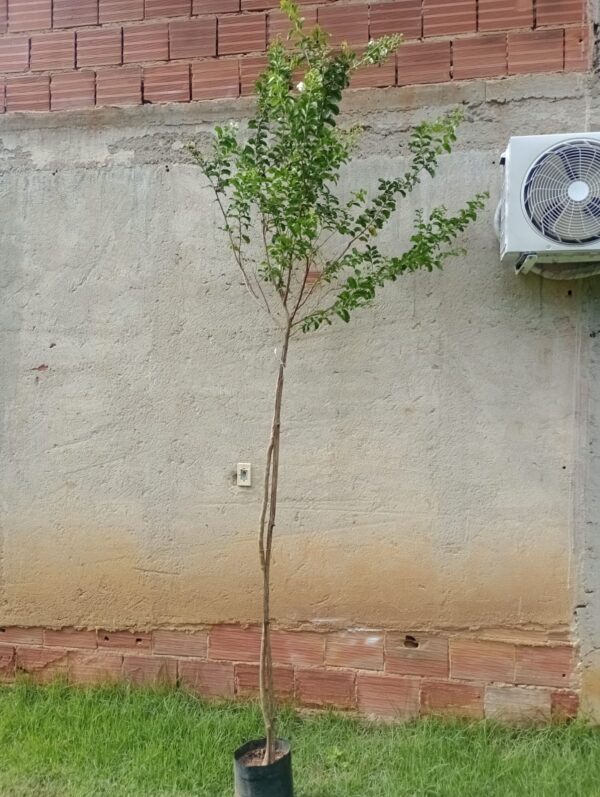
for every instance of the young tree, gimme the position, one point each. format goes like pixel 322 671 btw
pixel 319 259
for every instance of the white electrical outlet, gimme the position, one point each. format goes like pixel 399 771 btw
pixel 244 474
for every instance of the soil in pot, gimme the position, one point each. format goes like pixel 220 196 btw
pixel 252 779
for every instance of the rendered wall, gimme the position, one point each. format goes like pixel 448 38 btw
pixel 431 451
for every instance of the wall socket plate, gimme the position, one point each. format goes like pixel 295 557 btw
pixel 244 474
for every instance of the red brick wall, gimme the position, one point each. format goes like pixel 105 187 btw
pixel 61 54
pixel 382 673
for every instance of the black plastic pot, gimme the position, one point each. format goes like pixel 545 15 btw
pixel 274 780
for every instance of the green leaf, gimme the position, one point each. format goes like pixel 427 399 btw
pixel 276 185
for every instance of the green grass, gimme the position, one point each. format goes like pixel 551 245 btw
pixel 114 741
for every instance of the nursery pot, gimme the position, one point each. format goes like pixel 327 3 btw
pixel 255 780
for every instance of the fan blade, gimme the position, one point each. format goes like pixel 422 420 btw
pixel 566 158
pixel 546 198
pixel 592 208
pixel 539 201
pixel 551 216
pixel 554 166
pixel 561 218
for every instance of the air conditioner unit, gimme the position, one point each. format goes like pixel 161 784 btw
pixel 548 220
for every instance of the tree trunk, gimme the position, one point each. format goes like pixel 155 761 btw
pixel 267 525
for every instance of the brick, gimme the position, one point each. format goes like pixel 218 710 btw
pixel 234 643
pixel 149 670
pixel 2 95
pixel 124 639
pixel 193 38
pixel 93 668
pixel 250 70
pixel 545 666
pixel 180 643
pixel 70 638
pixel 375 76
pixel 215 6
pixel 99 47
pixel 298 648
pixel 428 658
pixel 53 51
pixel 423 62
pixel 146 43
pixel 345 24
pixel 325 688
pixel 474 660
pixel 42 664
pixel 259 5
pixel 72 13
pixel 442 697
pixel 565 705
pixel 207 678
pixel 7 664
pixel 70 90
pixel 278 23
pixel 13 635
pixel 559 12
pixel 505 14
pixel 403 16
pixel 481 56
pixel 386 696
pixel 517 704
pixel 167 83
pixel 30 15
pixel 14 57
pixel 535 51
pixel 266 5
pixel 242 34
pixel 578 53
pixel 445 17
pixel 119 86
pixel 121 10
pixel 357 650
pixel 247 680
pixel 167 8
pixel 215 78
pixel 3 16
pixel 28 93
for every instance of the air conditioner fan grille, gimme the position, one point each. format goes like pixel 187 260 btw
pixel 561 193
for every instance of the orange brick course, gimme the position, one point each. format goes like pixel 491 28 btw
pixel 72 90
pixel 278 24
pixel 443 697
pixel 149 670
pixel 27 15
pixel 360 650
pixel 121 86
pixel 28 93
pixel 7 664
pixel 247 679
pixel 44 664
pixel 121 10
pixel 578 53
pixel 416 654
pixel 390 674
pixel 219 45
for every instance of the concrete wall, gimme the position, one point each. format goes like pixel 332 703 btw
pixel 431 451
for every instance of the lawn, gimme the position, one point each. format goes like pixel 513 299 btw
pixel 114 741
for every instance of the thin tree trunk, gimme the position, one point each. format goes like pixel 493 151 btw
pixel 267 525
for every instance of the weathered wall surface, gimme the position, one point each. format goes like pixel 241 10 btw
pixel 587 482
pixel 430 451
